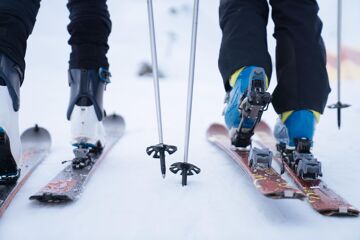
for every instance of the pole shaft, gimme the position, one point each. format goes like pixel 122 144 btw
pixel 191 78
pixel 338 60
pixel 155 68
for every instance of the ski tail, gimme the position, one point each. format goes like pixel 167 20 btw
pixel 114 125
pixel 36 137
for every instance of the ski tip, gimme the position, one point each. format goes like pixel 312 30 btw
pixel 114 124
pixel 114 115
pixel 216 129
pixel 36 136
pixel 220 129
pixel 114 118
pixel 263 127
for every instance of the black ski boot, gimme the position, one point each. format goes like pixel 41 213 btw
pixel 10 81
pixel 9 172
pixel 246 103
pixel 86 114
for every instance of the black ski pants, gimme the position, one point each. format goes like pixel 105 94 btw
pixel 89 28
pixel 300 52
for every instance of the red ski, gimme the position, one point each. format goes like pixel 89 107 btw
pixel 267 181
pixel 322 199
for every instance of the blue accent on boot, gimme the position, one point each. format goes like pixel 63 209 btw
pixel 300 124
pixel 232 114
pixel 1 130
pixel 83 145
pixel 104 75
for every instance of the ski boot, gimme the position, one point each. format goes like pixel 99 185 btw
pixel 295 140
pixel 246 103
pixel 10 145
pixel 86 114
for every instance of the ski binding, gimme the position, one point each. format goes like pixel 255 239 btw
pixel 260 158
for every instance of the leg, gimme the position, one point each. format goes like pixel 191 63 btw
pixel 245 65
pixel 303 84
pixel 244 41
pixel 300 57
pixel 17 19
pixel 88 71
pixel 90 28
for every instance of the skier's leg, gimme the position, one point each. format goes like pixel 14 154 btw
pixel 89 28
pixel 88 71
pixel 303 85
pixel 245 65
pixel 244 40
pixel 17 19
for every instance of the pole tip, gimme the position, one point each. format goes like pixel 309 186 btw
pixel 163 176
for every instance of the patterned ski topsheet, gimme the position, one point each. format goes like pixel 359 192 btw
pixel 36 143
pixel 322 199
pixel 69 183
pixel 268 182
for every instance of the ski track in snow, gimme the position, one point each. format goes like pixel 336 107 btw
pixel 127 198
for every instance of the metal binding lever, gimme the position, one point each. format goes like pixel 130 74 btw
pixel 251 108
pixel 158 152
pixel 81 159
pixel 86 155
pixel 185 169
pixel 260 158
pixel 254 102
pixel 281 148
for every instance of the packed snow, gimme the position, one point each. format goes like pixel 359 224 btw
pixel 127 197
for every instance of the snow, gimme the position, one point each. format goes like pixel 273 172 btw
pixel 127 198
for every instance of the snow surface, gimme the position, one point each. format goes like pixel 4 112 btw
pixel 127 198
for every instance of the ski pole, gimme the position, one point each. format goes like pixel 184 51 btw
pixel 159 150
pixel 185 167
pixel 339 105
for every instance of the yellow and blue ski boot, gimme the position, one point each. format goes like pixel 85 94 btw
pixel 294 133
pixel 245 104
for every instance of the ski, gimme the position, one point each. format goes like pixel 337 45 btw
pixel 321 198
pixel 69 183
pixel 36 143
pixel 266 180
